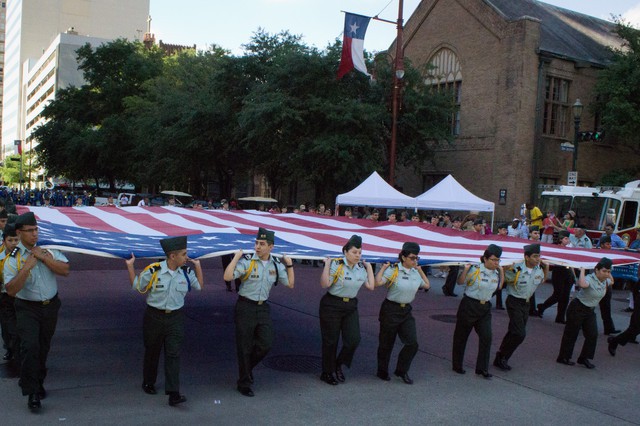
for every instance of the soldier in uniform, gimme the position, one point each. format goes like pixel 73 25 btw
pixel 166 284
pixel 30 276
pixel 521 280
pixel 581 314
pixel 339 308
pixel 402 280
pixel 474 311
pixel 254 329
pixel 7 308
pixel 562 278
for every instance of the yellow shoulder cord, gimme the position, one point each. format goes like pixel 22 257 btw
pixel 515 281
pixel 152 281
pixel 249 270
pixel 339 271
pixel 18 259
pixel 394 276
pixel 474 277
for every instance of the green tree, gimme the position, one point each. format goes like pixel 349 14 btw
pixel 89 132
pixel 617 90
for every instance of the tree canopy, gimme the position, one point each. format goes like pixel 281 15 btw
pixel 186 120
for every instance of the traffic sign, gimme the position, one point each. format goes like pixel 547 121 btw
pixel 572 178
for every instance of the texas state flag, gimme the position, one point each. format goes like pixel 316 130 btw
pixel 355 26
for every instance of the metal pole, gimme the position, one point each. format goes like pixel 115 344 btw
pixel 576 124
pixel 398 67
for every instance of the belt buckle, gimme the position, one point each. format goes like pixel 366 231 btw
pixel 167 311
pixel 260 302
pixel 402 305
pixel 46 302
pixel 345 299
pixel 482 302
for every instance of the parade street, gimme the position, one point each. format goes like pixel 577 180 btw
pixel 95 364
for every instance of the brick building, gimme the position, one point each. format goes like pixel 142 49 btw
pixel 515 67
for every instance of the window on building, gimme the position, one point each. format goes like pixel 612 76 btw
pixel 555 121
pixel 445 74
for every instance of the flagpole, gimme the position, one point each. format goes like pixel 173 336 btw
pixel 397 80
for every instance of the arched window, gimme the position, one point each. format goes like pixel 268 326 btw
pixel 445 74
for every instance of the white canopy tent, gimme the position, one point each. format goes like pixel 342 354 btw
pixel 448 194
pixel 375 192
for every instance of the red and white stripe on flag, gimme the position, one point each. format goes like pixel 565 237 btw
pixel 355 27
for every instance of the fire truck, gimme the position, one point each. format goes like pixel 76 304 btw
pixel 596 206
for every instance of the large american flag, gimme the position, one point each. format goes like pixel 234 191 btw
pixel 118 232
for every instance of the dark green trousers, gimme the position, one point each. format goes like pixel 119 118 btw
pixel 36 324
pixel 396 320
pixel 579 317
pixel 518 310
pixel 337 318
pixel 472 315
pixel 254 337
pixel 163 330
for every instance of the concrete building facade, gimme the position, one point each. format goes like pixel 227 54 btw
pixel 32 27
pixel 515 68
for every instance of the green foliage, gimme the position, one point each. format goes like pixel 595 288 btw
pixel 182 121
pixel 618 90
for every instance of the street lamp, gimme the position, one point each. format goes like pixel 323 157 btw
pixel 577 113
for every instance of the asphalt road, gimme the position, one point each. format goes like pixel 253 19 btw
pixel 95 365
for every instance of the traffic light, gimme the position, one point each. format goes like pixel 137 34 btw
pixel 590 136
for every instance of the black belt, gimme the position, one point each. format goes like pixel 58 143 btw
pixel 40 302
pixel 518 299
pixel 344 299
pixel 583 306
pixel 402 305
pixel 482 302
pixel 164 311
pixel 254 302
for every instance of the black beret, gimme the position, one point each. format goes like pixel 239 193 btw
pixel 355 241
pixel 605 239
pixel 411 247
pixel 494 250
pixel 9 230
pixel 563 234
pixel 605 262
pixel 4 214
pixel 534 228
pixel 267 235
pixel 478 222
pixel 503 226
pixel 173 244
pixel 531 249
pixel 27 218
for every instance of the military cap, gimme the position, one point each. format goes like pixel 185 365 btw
pixel 411 247
pixel 503 226
pixel 605 239
pixel 605 263
pixel 355 241
pixel 173 244
pixel 494 250
pixel 478 222
pixel 531 249
pixel 4 214
pixel 533 228
pixel 264 234
pixel 27 218
pixel 9 230
pixel 562 234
